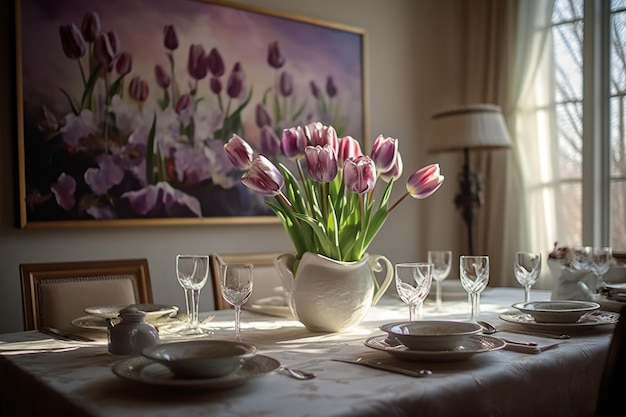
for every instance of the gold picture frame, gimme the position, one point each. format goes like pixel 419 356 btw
pixel 122 115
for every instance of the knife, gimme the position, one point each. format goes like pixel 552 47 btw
pixel 58 334
pixel 377 365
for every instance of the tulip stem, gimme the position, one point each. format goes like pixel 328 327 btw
pixel 398 202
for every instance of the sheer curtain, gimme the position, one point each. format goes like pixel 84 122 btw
pixel 508 64
pixel 535 150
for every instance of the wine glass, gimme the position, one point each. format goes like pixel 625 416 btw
pixel 442 263
pixel 192 272
pixel 236 286
pixel 601 258
pixel 474 278
pixel 413 282
pixel 527 267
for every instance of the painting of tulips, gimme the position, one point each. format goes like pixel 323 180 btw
pixel 125 105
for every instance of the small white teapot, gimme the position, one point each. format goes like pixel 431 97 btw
pixel 132 334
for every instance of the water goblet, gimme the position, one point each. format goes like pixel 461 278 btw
pixel 192 272
pixel 442 263
pixel 474 278
pixel 601 258
pixel 413 282
pixel 527 267
pixel 236 287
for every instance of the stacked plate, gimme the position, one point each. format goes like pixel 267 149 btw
pixel 97 315
pixel 199 364
pixel 559 314
pixel 435 340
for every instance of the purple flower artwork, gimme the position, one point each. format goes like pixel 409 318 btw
pixel 125 106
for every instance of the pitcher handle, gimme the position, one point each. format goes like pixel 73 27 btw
pixel 376 266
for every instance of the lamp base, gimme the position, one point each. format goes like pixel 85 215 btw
pixel 469 199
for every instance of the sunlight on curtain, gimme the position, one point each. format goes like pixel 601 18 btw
pixel 534 149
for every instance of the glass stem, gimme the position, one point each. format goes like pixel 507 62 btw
pixel 413 312
pixel 195 300
pixel 473 304
pixel 438 300
pixel 238 322
pixel 527 293
pixel 420 310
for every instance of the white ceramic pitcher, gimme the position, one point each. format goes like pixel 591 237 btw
pixel 327 295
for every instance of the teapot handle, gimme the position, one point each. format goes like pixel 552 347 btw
pixel 376 266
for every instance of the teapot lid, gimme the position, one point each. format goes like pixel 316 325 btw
pixel 132 313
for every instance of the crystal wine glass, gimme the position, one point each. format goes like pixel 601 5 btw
pixel 236 286
pixel 474 278
pixel 442 263
pixel 413 282
pixel 192 272
pixel 601 258
pixel 527 267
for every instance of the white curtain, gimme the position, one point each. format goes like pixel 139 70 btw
pixel 535 154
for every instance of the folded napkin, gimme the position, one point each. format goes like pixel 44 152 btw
pixel 541 343
pixel 42 345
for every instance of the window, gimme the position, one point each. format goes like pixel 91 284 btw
pixel 589 100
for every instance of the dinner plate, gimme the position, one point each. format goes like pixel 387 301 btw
pixel 473 345
pixel 90 322
pixel 273 306
pixel 146 371
pixel 592 319
pixel 153 311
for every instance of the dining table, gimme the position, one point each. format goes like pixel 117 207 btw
pixel 552 370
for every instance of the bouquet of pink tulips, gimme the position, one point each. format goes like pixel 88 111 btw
pixel 328 207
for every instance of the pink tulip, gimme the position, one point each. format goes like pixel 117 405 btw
pixel 124 63
pixel 384 153
pixel 293 142
pixel 90 26
pixel 286 84
pixel 395 172
pixel 320 134
pixel 196 65
pixel 184 104
pixel 359 174
pixel 215 63
pixel 425 181
pixel 239 152
pixel 274 56
pixel 263 177
pixel 262 115
pixel 170 37
pixel 72 41
pixel 270 144
pixel 321 163
pixel 162 77
pixel 348 148
pixel 138 89
pixel 234 88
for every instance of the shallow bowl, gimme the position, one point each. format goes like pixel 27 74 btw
pixel 432 335
pixel 557 311
pixel 153 311
pixel 201 358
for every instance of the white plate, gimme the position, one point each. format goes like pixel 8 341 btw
pixel 272 306
pixel 90 322
pixel 557 311
pixel 473 345
pixel 595 318
pixel 153 311
pixel 145 371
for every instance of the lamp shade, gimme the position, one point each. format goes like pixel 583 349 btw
pixel 471 126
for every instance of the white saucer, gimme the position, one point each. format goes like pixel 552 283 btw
pixel 473 345
pixel 90 322
pixel 272 306
pixel 592 319
pixel 145 371
pixel 153 311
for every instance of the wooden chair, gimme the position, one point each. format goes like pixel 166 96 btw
pixel 53 294
pixel 612 381
pixel 265 275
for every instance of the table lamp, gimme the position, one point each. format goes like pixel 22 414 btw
pixel 475 126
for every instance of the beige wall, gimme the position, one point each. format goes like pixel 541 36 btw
pixel 413 68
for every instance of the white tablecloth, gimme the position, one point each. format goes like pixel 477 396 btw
pixel 562 381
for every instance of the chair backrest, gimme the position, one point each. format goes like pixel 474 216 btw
pixel 53 294
pixel 266 278
pixel 611 383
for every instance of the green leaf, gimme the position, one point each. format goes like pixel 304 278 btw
pixel 73 105
pixel 150 154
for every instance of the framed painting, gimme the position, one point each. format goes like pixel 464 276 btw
pixel 124 107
